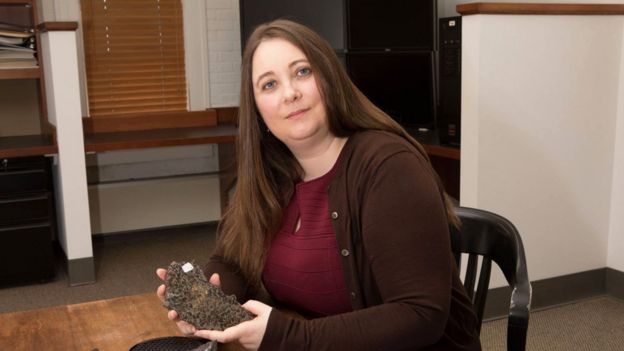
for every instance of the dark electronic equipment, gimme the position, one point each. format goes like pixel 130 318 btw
pixel 326 17
pixel 401 84
pixel 449 111
pixel 391 24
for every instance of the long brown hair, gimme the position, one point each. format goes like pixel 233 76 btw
pixel 267 169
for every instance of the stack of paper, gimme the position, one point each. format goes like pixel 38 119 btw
pixel 17 47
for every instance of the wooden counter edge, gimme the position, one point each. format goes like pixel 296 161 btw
pixel 57 26
pixel 496 8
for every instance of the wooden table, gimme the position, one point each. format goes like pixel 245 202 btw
pixel 104 325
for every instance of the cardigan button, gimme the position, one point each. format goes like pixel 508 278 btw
pixel 353 295
pixel 334 215
pixel 345 252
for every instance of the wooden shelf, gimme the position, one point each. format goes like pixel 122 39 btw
pixel 27 145
pixel 443 151
pixel 20 73
pixel 494 8
pixel 98 142
pixel 16 2
pixel 431 142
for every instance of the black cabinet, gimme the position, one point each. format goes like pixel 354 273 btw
pixel 27 220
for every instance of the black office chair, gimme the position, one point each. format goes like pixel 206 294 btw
pixel 494 238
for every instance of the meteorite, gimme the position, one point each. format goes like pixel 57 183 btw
pixel 198 302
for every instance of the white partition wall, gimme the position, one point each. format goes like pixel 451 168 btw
pixel 615 258
pixel 64 112
pixel 541 99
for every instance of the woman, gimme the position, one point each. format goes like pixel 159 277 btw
pixel 337 214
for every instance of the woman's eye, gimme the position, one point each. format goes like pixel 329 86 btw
pixel 268 85
pixel 304 71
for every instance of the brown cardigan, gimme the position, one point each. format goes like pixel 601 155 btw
pixel 392 233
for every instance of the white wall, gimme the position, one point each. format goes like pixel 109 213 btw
pixel 137 205
pixel 615 258
pixel 58 54
pixel 140 189
pixel 539 108
pixel 224 52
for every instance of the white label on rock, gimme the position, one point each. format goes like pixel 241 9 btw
pixel 187 267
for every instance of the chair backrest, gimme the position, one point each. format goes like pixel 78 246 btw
pixel 494 238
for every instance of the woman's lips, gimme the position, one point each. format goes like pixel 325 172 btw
pixel 296 113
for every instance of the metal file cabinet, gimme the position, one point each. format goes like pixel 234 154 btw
pixel 27 220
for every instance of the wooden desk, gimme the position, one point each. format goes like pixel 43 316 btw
pixel 444 158
pixel 115 324
pixel 222 134
pixel 105 325
pixel 98 142
pixel 27 145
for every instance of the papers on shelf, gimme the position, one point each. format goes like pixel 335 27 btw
pixel 17 47
pixel 11 41
pixel 16 64
pixel 16 34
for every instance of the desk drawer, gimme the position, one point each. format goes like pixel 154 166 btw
pixel 27 254
pixel 23 181
pixel 30 208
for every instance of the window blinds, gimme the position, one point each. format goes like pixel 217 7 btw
pixel 134 53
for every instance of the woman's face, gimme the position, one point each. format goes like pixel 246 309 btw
pixel 286 94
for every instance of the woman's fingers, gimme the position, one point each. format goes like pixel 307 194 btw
pixel 215 279
pixel 160 292
pixel 256 307
pixel 161 273
pixel 186 328
pixel 249 333
pixel 172 315
pixel 226 336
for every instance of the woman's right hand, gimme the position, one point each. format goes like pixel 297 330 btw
pixel 185 328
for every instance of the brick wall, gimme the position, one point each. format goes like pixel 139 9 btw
pixel 224 54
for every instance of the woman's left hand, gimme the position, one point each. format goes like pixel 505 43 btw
pixel 249 333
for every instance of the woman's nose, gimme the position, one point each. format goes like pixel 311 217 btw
pixel 291 93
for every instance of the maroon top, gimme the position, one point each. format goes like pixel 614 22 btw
pixel 303 268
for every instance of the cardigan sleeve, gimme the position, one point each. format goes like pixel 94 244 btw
pixel 404 231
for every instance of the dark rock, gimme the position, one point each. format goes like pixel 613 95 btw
pixel 198 302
